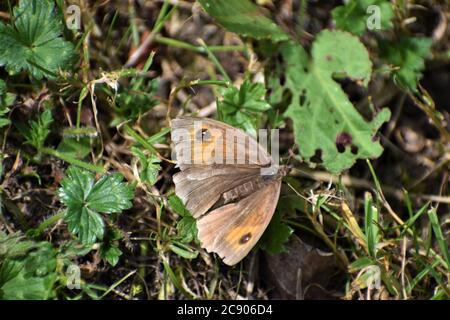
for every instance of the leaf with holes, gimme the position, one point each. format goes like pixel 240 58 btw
pixel 326 124
pixel 244 18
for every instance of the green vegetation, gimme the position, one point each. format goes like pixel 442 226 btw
pixel 87 202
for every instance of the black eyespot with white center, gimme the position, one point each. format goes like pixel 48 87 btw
pixel 245 238
pixel 202 135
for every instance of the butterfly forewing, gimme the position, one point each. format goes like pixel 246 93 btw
pixel 205 142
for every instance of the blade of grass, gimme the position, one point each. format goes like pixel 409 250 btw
pixel 175 281
pixel 442 242
pixel 213 58
pixel 371 225
pixel 72 160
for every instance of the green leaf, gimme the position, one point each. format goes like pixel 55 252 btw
pixel 31 276
pixel 440 238
pixel 149 166
pixel 360 263
pixel 355 15
pixel 371 226
pixel 85 200
pixel 325 121
pixel 135 102
pixel 407 54
pixel 109 250
pixel 37 130
pixel 177 205
pixel 6 100
pixel 183 251
pixel 71 250
pixel 187 229
pixel 187 225
pixel 276 235
pixel 34 42
pixel 111 254
pixel 13 246
pixel 243 107
pixel 75 147
pixel 244 18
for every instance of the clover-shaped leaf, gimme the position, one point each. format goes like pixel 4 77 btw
pixel 34 41
pixel 85 199
pixel 326 124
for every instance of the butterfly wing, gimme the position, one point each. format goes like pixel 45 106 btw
pixel 200 187
pixel 197 141
pixel 232 230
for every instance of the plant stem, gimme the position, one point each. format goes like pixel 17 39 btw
pixel 139 139
pixel 188 46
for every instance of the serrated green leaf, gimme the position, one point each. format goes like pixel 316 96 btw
pixel 34 42
pixel 149 166
pixel 111 254
pixel 110 194
pixel 37 130
pixel 134 103
pixel 325 121
pixel 355 15
pixel 243 107
pixel 407 54
pixel 187 229
pixel 13 246
pixel 244 18
pixel 187 225
pixel 85 199
pixel 276 235
pixel 6 100
pixel 85 223
pixel 31 276
pixel 109 250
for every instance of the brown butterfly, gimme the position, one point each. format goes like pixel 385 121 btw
pixel 222 185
